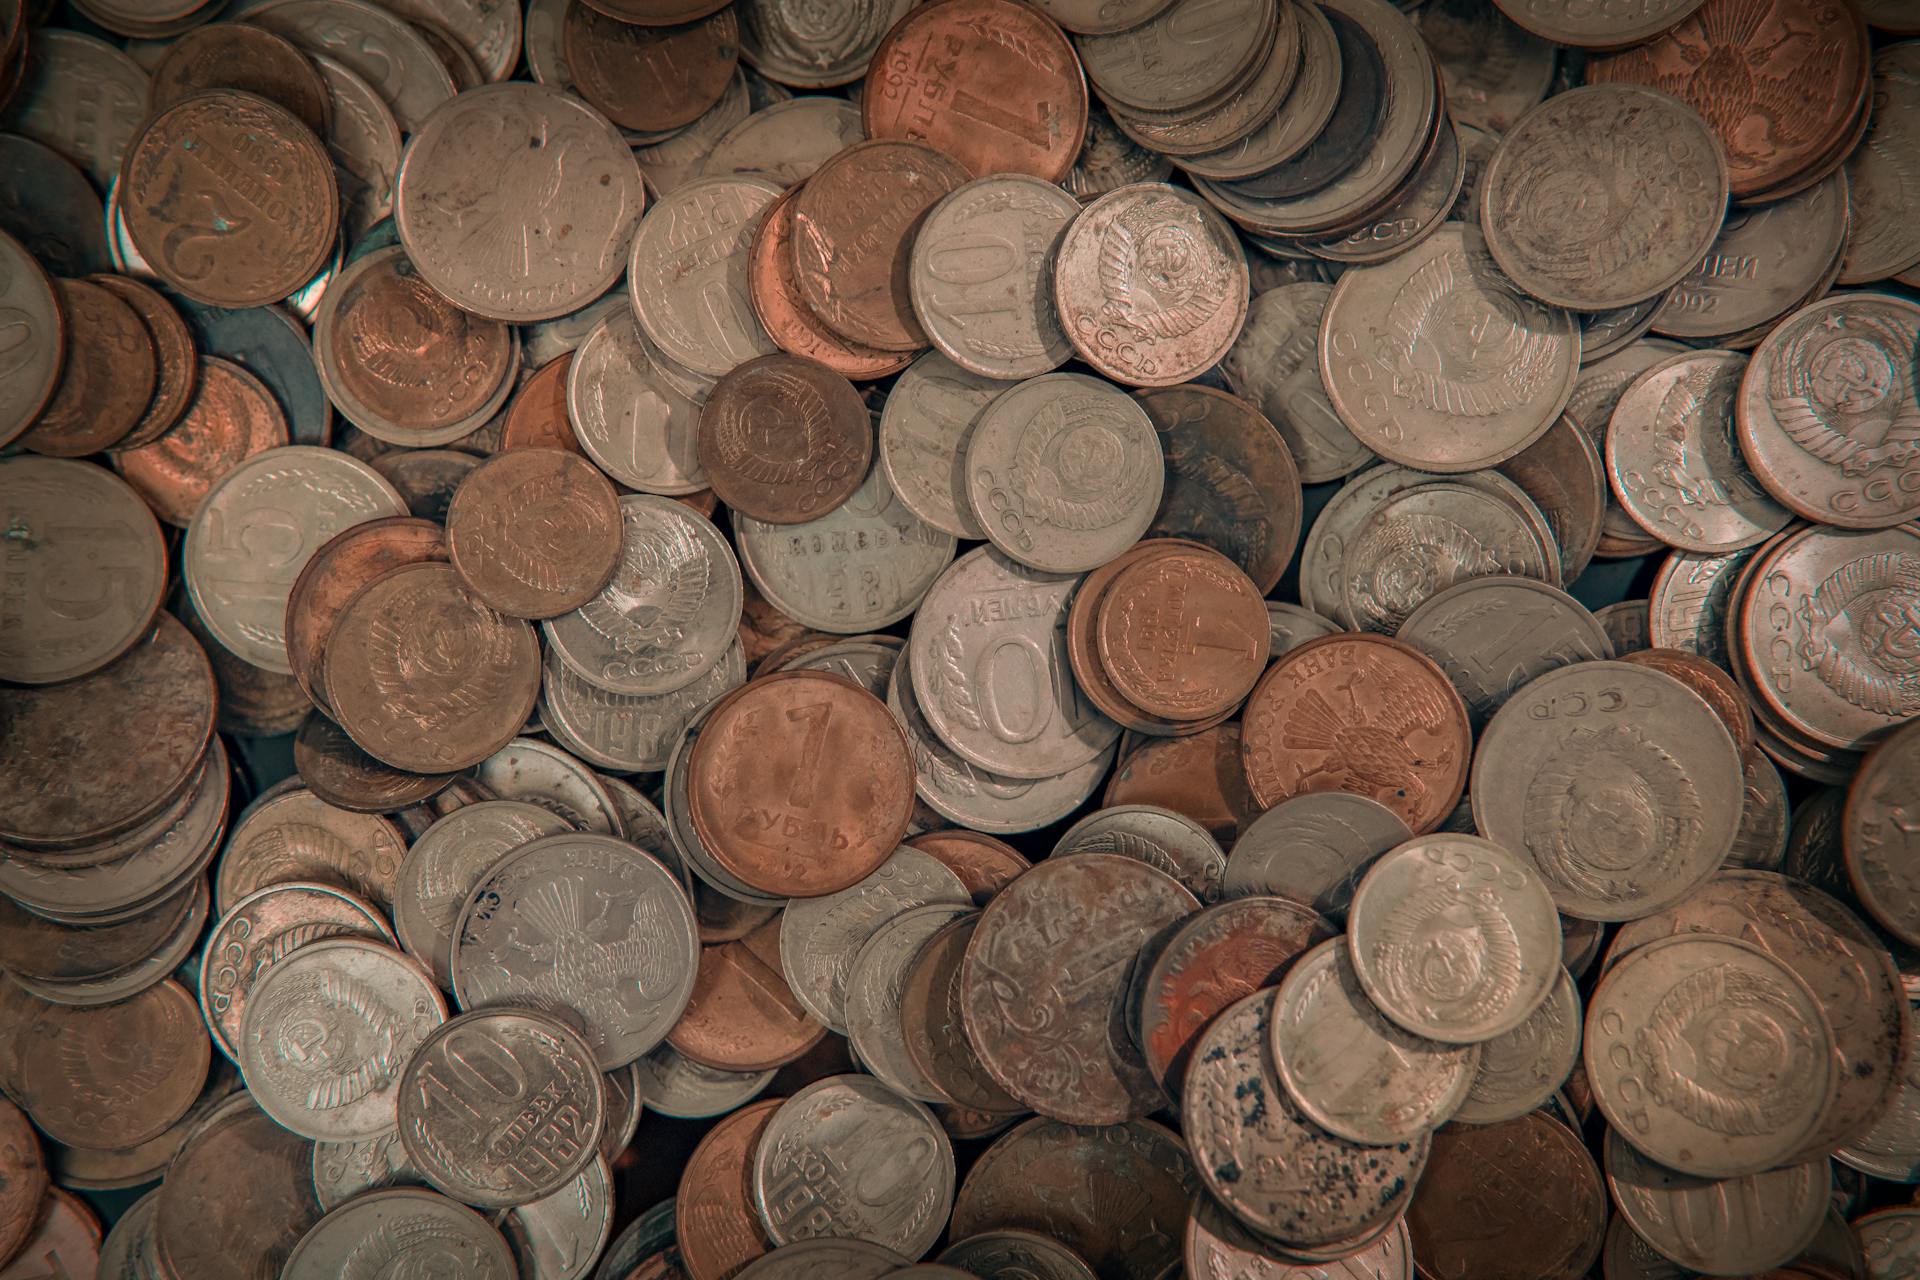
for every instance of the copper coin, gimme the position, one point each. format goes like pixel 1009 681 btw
pixel 743 1016
pixel 659 13
pixel 117 1074
pixel 774 288
pixel 650 78
pixel 985 865
pixel 237 1198
pixel 713 1216
pixel 107 380
pixel 339 772
pixel 1880 833
pixel 853 227
pixel 23 1180
pixel 65 1241
pixel 800 784
pixel 1184 635
pixel 176 356
pixel 96 756
pixel 1364 714
pixel 1083 642
pixel 232 417
pixel 1788 100
pixel 943 76
pixel 535 532
pixel 1563 473
pixel 1200 776
pixel 42 950
pixel 932 1022
pixel 1715 687
pixel 537 418
pixel 1508 1201
pixel 785 439
pixel 240 55
pixel 230 199
pixel 426 677
pixel 345 563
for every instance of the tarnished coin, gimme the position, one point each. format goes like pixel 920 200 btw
pixel 1158 63
pixel 931 1021
pixel 231 417
pixel 1183 635
pixel 788 140
pixel 1627 626
pixel 875 988
pixel 1312 849
pixel 106 379
pixel 653 79
pixel 401 1229
pixel 636 426
pixel 713 1213
pixel 673 1084
pixel 688 273
pixel 743 1016
pixel 1891 1148
pixel 26 1180
pixel 1568 22
pixel 298 836
pixel 535 533
pixel 238 1197
pixel 1767 1218
pixel 1165 840
pixel 1563 475
pixel 237 55
pixel 783 44
pixel 558 1237
pixel 1519 1070
pixel 1428 538
pixel 1275 364
pixel 67 1081
pixel 627 731
pixel 1495 635
pixel 1880 244
pixel 773 286
pixel 1011 1252
pixel 985 865
pixel 1552 1222
pixel 444 865
pixel 1768 259
pixel 346 562
pixel 41 348
pixel 785 439
pixel 1879 834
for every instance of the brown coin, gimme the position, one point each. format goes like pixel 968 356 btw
pixel 425 478
pixel 743 1016
pixel 1715 687
pixel 650 78
pixel 176 356
pixel 344 564
pixel 535 532
pixel 93 757
pixel 239 55
pixel 230 199
pixel 800 784
pixel 65 1241
pixel 427 678
pixel 1200 776
pixel 1563 473
pixel 853 227
pixel 107 380
pixel 659 13
pixel 992 83
pixel 1083 641
pixel 236 1199
pixel 41 950
pixel 537 418
pixel 763 628
pixel 985 865
pixel 115 1074
pixel 785 439
pixel 713 1216
pixel 1183 635
pixel 932 1023
pixel 1509 1201
pixel 232 417
pixel 773 286
pixel 252 701
pixel 339 772
pixel 23 1180
pixel 1364 714
pixel 1880 834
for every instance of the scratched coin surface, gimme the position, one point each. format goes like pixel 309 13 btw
pixel 1766 261
pixel 687 273
pixel 400 1229
pixel 635 424
pixel 1495 635
pixel 1312 849
pixel 1275 364
pixel 106 378
pixel 1165 840
pixel 1428 538
pixel 239 1198
pixel 1878 833
pixel 535 532
pixel 1520 1069
pixel 875 987
pixel 810 51
pixel 67 1081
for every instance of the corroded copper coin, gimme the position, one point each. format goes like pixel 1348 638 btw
pixel 537 418
pixel 743 1016
pixel 1083 642
pixel 650 78
pixel 785 439
pixel 237 1199
pixel 1183 635
pixel 992 83
pixel 853 227
pixel 345 563
pixel 1199 776
pixel 714 1219
pixel 426 677
pixel 78 1067
pixel 23 1180
pixel 176 356
pixel 230 199
pixel 335 768
pixel 800 784
pixel 535 532
pixel 107 379
pixel 240 55
pixel 232 417
pixel 985 865
pixel 1359 713
pixel 1508 1201
pixel 933 1023
pixel 774 288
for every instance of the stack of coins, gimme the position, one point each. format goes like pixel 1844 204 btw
pixel 1153 638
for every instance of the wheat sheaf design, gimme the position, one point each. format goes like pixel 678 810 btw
pixel 1158 276
pixel 1699 1024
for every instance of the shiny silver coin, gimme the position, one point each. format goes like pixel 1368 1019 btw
pixel 630 732
pixel 1313 849
pixel 1164 840
pixel 397 1231
pixel 1495 635
pixel 535 772
pixel 875 983
pixel 1519 1070
pixel 673 1084
pixel 630 419
pixel 925 428
pixel 558 1237
pixel 1426 539
pixel 1763 1219
pixel 688 273
pixel 442 867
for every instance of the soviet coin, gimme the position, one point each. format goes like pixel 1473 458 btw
pixel 743 1017
pixel 994 1253
pixel 444 864
pixel 1312 849
pixel 231 55
pixel 932 1023
pixel 557 1237
pixel 106 379
pixel 64 1082
pixel 26 1180
pixel 399 1228
pixel 1520 1069
pixel 717 1229
pixel 231 417
pixel 535 532
pixel 239 1197
pixel 635 425
pixel 1494 635
pixel 688 66
pixel 1274 363
pixel 41 354
pixel 1767 260
pixel 298 836
pixel 687 273
pixel 673 1084
pixel 345 563
pixel 755 459
pixel 1157 63
pixel 875 991
pixel 773 287
pixel 1877 833
pixel 1768 1217
pixel 1430 537
pixel 1550 1202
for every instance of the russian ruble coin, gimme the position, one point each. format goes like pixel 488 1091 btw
pixel 1764 1219
pixel 559 1237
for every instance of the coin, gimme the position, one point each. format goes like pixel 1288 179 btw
pixel 106 379
pixel 176 367
pixel 1495 635
pixel 298 836
pixel 234 55
pixel 1011 1252
pixel 930 1018
pixel 347 562
pixel 444 865
pixel 774 290
pixel 1765 1218
pixel 743 1016
pixel 1274 364
pixel 559 1236
pixel 1766 261
pixel 759 464
pixel 401 1228
pixel 715 1224
pixel 782 44
pixel 1519 1070
pixel 788 140
pixel 231 417
pixel 66 1082
pixel 272 345
pixel 673 1084
pixel 689 268
pixel 688 66
pixel 1428 538
pixel 875 986
pixel 634 424
pixel 25 1181
pixel 239 1198
pixel 1627 626
pixel 1877 831
pixel 28 293
pixel 1312 849
pixel 1529 1175
pixel 535 533
pixel 1891 1148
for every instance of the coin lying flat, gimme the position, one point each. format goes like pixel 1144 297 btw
pixel 633 423
pixel 1520 1069
pixel 1555 1228
pixel 535 532
pixel 1877 836
pixel 875 986
pixel 401 1228
pixel 1495 635
pixel 239 1198
pixel 760 465
pixel 774 289
pixel 782 45
pixel 743 1017
pixel 1312 849
pixel 689 288
pixel 65 1083
pixel 1275 364
pixel 1770 1217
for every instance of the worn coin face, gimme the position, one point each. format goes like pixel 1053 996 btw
pixel 673 1084
pixel 1313 849
pixel 784 44
pixel 298 836
pixel 1014 1252
pixel 1182 635
pixel 690 65
pixel 688 272
pixel 1878 833
pixel 231 417
pixel 875 989
pixel 40 352
pixel 348 561
pixel 714 1221
pixel 774 289
pixel 1165 840
pixel 636 425
pixel 931 1020
pixel 1425 539
pixel 785 439
pixel 239 1197
pixel 26 1179
pixel 743 1016
pixel 1519 1070
pixel 1891 1148
pixel 1275 364
pixel 1763 1219
pixel 66 1082
pixel 1495 635
pixel 1549 1215
pixel 401 1228
pixel 1767 259
pixel 106 379
pixel 445 863
pixel 535 532
pixel 176 357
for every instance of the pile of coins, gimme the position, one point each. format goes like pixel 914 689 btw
pixel 1133 639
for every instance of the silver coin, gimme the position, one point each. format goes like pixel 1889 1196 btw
pixel 1604 332
pixel 981 275
pixel 364 140
pixel 1760 844
pixel 1301 117
pixel 255 532
pixel 867 661
pixel 548 340
pixel 1758 1221
pixel 444 864
pixel 630 732
pixel 298 836
pixel 849 1157
pixel 1165 840
pixel 127 1251
pixel 1688 605
pixel 1355 1074
pixel 399 1231
pixel 1010 1254
pixel 1617 782
pixel 1477 904
pixel 530 770
pixel 1767 259
pixel 342 1170
pixel 559 1237
pixel 1290 626
pixel 1312 849
pixel 925 427
pixel 1064 472
pixel 1161 63
pixel 272 346
pixel 824 1259
pixel 636 425
pixel 1711 1114
pixel 623 1110
pixel 1890 1148
pixel 1321 586
pixel 864 565
pixel 1494 635
pixel 327 1031
pixel 799 46
pixel 588 928
pixel 988 658
pixel 668 614
pixel 787 141
pixel 672 162
pixel 377 46
pixel 1520 1070
pixel 688 273
pixel 82 97
pixel 875 983
pixel 820 937
pixel 673 1084
pixel 1423 540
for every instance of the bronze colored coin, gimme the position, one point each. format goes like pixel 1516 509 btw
pixel 652 79
pixel 1083 642
pixel 107 380
pixel 1183 635
pixel 853 227
pixel 230 199
pixel 800 784
pixel 176 356
pixel 1715 687
pixel 427 678
pixel 992 83
pixel 1200 776
pixel 1777 103
pixel 116 1074
pixel 660 13
pixel 1880 833
pixel 344 564
pixel 65 1241
pixel 985 865
pixel 537 418
pixel 1363 714
pixel 339 772
pixel 535 532
pixel 1563 473
pixel 42 950
pixel 932 1022
pixel 785 439
pixel 23 1180
pixel 425 479
pixel 713 1215
pixel 1509 1201
pixel 239 55
pixel 232 417
pixel 93 757
pixel 773 287
pixel 236 1199
pixel 743 1016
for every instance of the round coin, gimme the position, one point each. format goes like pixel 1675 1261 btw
pixel 238 1198
pixel 75 1065
pixel 535 532
pixel 106 379
pixel 401 1229
pixel 41 349
pixel 1878 836
pixel 743 1017
pixel 715 1224
pixel 688 274
pixel 1555 1226
pixel 636 426
pixel 345 563
pixel 785 439
pixel 1495 635
pixel 1313 849
pixel 774 289
pixel 1275 364
pixel 1520 1069
pixel 231 417
pixel 653 79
